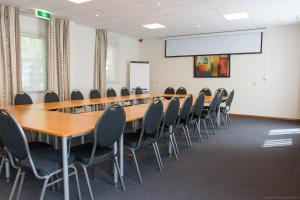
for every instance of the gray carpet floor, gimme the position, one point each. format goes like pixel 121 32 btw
pixel 231 165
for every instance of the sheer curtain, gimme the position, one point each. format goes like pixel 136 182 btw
pixel 112 57
pixel 100 61
pixel 59 57
pixel 9 54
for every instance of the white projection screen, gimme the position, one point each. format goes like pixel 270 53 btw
pixel 239 42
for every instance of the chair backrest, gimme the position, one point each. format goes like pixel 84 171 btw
pixel 214 103
pixel 13 136
pixel 199 105
pixel 221 95
pixel 152 118
pixel 206 91
pixel 186 108
pixel 138 90
pixel 95 94
pixel 172 111
pixel 181 90
pixel 22 98
pixel 124 92
pixel 230 98
pixel 110 126
pixel 169 90
pixel 51 96
pixel 111 92
pixel 225 94
pixel 76 95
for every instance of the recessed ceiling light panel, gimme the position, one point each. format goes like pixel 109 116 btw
pixel 154 26
pixel 79 1
pixel 236 16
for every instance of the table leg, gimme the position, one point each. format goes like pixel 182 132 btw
pixel 65 167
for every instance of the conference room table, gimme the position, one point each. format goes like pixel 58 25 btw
pixel 36 117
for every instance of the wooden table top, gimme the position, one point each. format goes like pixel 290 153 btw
pixel 52 123
pixel 66 124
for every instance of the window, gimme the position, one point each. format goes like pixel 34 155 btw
pixel 33 54
pixel 112 57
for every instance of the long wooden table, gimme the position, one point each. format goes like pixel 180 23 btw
pixel 36 117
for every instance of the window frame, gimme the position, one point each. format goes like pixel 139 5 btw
pixel 25 33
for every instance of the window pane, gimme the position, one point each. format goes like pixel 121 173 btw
pixel 33 63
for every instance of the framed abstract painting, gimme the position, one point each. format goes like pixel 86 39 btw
pixel 212 66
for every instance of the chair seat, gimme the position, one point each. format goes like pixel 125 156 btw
pixel 83 153
pixel 131 139
pixel 36 146
pixel 46 162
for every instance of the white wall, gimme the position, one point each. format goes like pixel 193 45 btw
pixel 129 51
pixel 278 96
pixel 82 54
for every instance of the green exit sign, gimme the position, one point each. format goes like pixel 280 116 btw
pixel 44 14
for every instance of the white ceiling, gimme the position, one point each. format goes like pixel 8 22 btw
pixel 180 16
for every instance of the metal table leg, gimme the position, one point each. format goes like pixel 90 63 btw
pixel 65 168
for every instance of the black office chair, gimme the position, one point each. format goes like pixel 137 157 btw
pixel 225 93
pixel 95 94
pixel 51 96
pixel 109 128
pixel 77 95
pixel 169 123
pixel 124 92
pixel 206 91
pixel 169 90
pixel 181 91
pixel 185 117
pixel 111 92
pixel 44 164
pixel 22 98
pixel 138 90
pixel 224 110
pixel 210 112
pixel 196 115
pixel 147 135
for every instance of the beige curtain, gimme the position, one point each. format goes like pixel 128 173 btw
pixel 58 57
pixel 9 54
pixel 100 61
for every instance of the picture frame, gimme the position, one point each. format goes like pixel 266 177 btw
pixel 212 66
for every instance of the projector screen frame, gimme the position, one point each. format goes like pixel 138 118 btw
pixel 261 47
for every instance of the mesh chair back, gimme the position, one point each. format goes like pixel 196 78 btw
pixel 152 118
pixel 169 90
pixel 172 112
pixel 110 126
pixel 76 95
pixel 124 92
pixel 186 108
pixel 225 91
pixel 206 91
pixel 230 98
pixel 181 90
pixel 95 94
pixel 199 105
pixel 51 96
pixel 12 136
pixel 22 98
pixel 138 90
pixel 111 92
